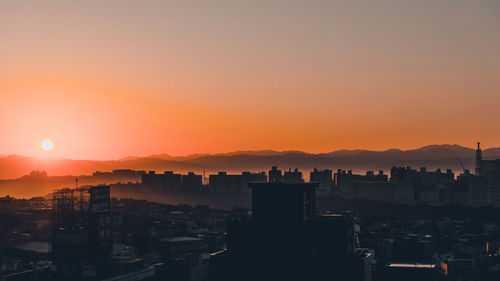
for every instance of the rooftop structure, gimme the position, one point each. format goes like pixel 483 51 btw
pixel 81 231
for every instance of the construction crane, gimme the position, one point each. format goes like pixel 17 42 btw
pixel 461 164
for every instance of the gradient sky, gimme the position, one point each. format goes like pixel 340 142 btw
pixel 108 79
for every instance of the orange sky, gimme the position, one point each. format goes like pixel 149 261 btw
pixel 110 79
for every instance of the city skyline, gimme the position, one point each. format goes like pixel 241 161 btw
pixel 123 78
pixel 233 140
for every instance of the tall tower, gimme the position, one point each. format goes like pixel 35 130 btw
pixel 479 159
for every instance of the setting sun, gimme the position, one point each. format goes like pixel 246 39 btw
pixel 47 145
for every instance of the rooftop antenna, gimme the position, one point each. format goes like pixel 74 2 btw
pixel 479 159
pixel 76 182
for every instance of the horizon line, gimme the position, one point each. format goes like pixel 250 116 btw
pixel 241 152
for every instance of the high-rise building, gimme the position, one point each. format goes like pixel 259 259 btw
pixel 275 175
pixel 335 243
pixel 282 217
pixel 191 182
pixel 421 177
pixel 293 176
pixel 484 192
pixel 224 182
pixel 324 179
pixel 373 186
pixel 286 240
pixel 484 186
pixel 168 181
pixel 343 177
pixel 254 177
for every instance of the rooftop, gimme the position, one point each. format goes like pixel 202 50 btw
pixel 274 185
pixel 39 247
pixel 330 215
pixel 181 239
pixel 411 265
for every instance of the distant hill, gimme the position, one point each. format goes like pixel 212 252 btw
pixel 431 156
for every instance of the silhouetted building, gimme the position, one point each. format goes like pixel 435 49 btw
pixel 5 204
pixel 218 267
pixel 458 268
pixel 223 182
pixel 81 232
pixel 171 248
pixel 282 217
pixel 412 248
pixel 361 268
pixel 183 257
pixel 127 172
pixel 490 168
pixel 325 180
pixel 255 177
pixel 334 246
pixel 293 176
pixel 343 177
pixel 192 267
pixel 122 175
pixel 286 240
pixel 38 174
pixel 484 192
pixel 484 187
pixel 168 181
pixel 428 184
pixel 275 175
pixel 486 168
pixel 373 187
pixel 238 260
pixel 422 177
pixel 191 182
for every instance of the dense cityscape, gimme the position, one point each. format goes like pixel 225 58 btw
pixel 413 224
pixel 282 140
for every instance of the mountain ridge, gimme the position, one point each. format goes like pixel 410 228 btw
pixel 433 156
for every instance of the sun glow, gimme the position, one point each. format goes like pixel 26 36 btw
pixel 47 145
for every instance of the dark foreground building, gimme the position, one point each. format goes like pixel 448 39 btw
pixel 282 217
pixel 286 240
pixel 81 232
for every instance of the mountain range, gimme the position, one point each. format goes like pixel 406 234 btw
pixel 431 156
